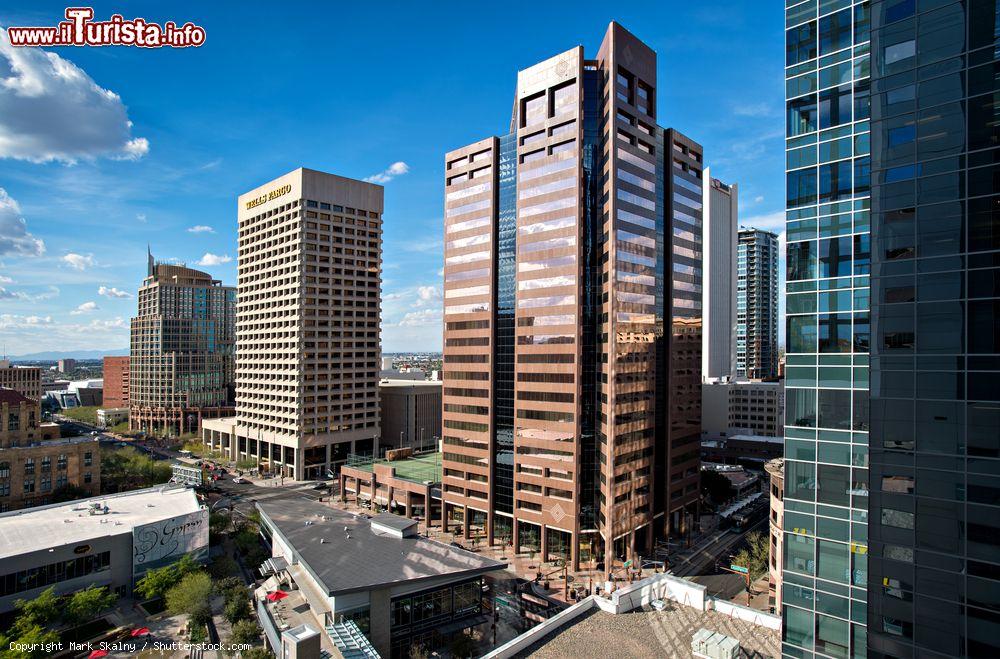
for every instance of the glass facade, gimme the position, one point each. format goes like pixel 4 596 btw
pixel 934 535
pixel 825 572
pixel 506 287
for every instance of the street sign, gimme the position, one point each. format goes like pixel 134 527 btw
pixel 739 568
pixel 627 564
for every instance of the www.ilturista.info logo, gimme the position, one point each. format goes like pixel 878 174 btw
pixel 79 29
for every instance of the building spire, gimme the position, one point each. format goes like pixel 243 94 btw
pixel 149 261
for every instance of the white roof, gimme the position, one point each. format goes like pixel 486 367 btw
pixel 35 529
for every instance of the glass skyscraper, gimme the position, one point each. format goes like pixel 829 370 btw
pixel 825 576
pixel 920 578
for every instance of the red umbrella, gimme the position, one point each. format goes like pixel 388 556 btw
pixel 98 653
pixel 276 596
pixel 140 631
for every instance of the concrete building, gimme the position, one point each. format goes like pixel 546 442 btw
pixel 751 451
pixel 401 589
pixel 26 380
pixel 742 407
pixel 776 471
pixel 104 541
pixel 66 365
pixel 116 381
pixel 410 413
pixel 757 304
pixel 182 342
pixel 572 342
pixel 310 258
pixel 721 213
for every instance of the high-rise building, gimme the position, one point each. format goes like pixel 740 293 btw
pixel 757 304
pixel 26 380
pixel 307 323
pixel 572 351
pixel 181 354
pixel 66 365
pixel 116 380
pixel 934 509
pixel 410 414
pixel 718 345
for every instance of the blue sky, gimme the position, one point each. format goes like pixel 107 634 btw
pixel 103 150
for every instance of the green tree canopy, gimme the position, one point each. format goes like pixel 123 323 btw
pixel 191 595
pixel 245 632
pixel 754 556
pixel 85 605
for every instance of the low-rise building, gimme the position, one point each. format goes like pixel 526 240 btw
pixel 111 416
pixel 776 519
pixel 26 380
pixel 34 462
pixel 116 381
pixel 751 451
pixel 410 413
pixel 107 541
pixel 749 407
pixel 400 588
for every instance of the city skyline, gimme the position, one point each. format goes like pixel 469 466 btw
pixel 169 179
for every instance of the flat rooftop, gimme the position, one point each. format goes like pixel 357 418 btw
pixel 417 468
pixel 358 558
pixel 650 633
pixel 36 529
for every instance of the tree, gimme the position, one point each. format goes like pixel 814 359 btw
pixel 258 652
pixel 157 582
pixel 218 523
pixel 716 486
pixel 191 595
pixel 222 567
pixel 245 632
pixel 462 646
pixel 86 604
pixel 418 652
pixel 237 609
pixel 228 587
pixel 30 635
pixel 128 469
pixel 754 556
pixel 43 610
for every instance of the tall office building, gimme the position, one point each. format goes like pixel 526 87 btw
pixel 307 323
pixel 181 350
pixel 718 345
pixel 26 380
pixel 912 569
pixel 115 375
pixel 572 356
pixel 825 549
pixel 757 304
pixel 934 518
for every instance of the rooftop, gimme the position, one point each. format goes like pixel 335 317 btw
pixel 12 397
pixel 400 383
pixel 417 468
pixel 35 529
pixel 347 555
pixel 651 633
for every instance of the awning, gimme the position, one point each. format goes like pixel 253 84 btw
pixel 318 601
pixel 350 641
pixel 273 565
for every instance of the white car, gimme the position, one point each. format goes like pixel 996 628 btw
pixel 240 479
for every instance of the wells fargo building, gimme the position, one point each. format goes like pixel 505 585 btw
pixel 573 315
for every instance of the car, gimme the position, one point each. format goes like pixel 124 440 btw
pixel 240 479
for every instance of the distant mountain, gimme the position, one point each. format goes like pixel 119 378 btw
pixel 69 354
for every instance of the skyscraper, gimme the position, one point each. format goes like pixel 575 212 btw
pixel 934 518
pixel 825 551
pixel 573 315
pixel 307 323
pixel 718 345
pixel 757 304
pixel 181 350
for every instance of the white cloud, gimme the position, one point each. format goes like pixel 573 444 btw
pixel 50 109
pixel 141 217
pixel 11 321
pixel 86 307
pixel 761 109
pixel 427 295
pixel 79 261
pixel 210 259
pixel 758 199
pixel 112 323
pixel 6 280
pixel 422 318
pixel 201 228
pixel 769 222
pixel 15 239
pixel 6 294
pixel 392 171
pixel 113 292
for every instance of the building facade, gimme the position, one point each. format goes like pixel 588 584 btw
pixel 743 406
pixel 310 258
pixel 410 414
pixel 66 365
pixel 934 514
pixel 571 401
pixel 825 553
pixel 757 304
pixel 116 381
pixel 27 380
pixel 718 346
pixel 776 473
pixel 181 352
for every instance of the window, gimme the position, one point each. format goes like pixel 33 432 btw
pixel 835 106
pixel 802 115
pixel 800 43
pixel 801 187
pixel 835 181
pixel 835 32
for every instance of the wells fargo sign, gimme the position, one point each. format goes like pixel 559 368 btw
pixel 273 194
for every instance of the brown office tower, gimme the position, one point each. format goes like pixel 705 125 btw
pixel 116 381
pixel 310 258
pixel 181 354
pixel 571 401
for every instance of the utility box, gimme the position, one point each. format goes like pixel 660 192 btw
pixel 302 642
